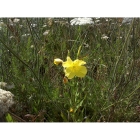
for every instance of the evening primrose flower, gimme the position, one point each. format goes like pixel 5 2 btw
pixel 57 61
pixel 74 68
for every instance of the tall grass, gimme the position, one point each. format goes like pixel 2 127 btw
pixel 108 93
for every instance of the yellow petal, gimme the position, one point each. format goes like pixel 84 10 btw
pixel 81 72
pixel 69 72
pixel 68 63
pixel 70 75
pixel 79 62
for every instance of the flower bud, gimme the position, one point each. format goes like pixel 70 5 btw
pixel 57 61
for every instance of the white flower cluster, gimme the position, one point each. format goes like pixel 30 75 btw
pixel 104 37
pixel 127 20
pixel 16 20
pixel 6 101
pixel 46 32
pixel 81 21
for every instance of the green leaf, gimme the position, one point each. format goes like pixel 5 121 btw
pixel 9 118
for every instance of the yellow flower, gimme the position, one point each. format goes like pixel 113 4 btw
pixel 57 61
pixel 71 110
pixel 74 68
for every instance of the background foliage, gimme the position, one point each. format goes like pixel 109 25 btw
pixel 108 93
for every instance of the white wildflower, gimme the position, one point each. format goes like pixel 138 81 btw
pixel 97 21
pixel 33 25
pixel 44 26
pixel 6 101
pixel 3 84
pixel 20 26
pixel 120 37
pixel 86 45
pixel 32 46
pixel 11 22
pixel 104 37
pixel 81 21
pixel 2 24
pixel 46 32
pixel 11 37
pixel 16 20
pixel 24 35
pixel 127 20
pixel 97 18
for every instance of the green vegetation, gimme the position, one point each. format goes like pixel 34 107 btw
pixel 108 93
